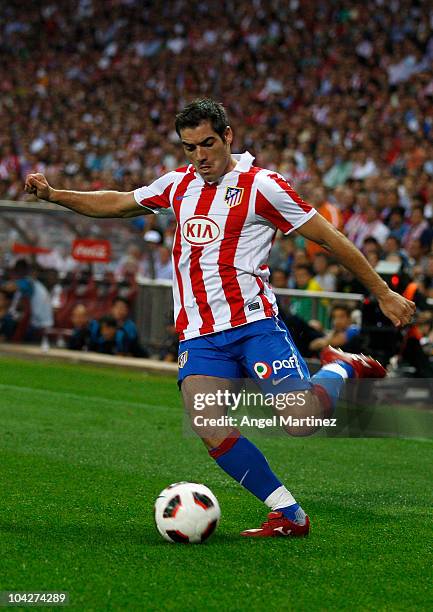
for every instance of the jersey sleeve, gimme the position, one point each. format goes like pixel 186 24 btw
pixel 156 196
pixel 278 203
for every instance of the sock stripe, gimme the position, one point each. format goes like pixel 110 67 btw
pixel 345 370
pixel 225 445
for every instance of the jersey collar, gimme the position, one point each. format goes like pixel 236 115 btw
pixel 244 161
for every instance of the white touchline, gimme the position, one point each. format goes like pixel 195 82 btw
pixel 79 398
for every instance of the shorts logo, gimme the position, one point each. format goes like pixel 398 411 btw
pixel 183 358
pixel 285 364
pixel 200 230
pixel 233 196
pixel 262 369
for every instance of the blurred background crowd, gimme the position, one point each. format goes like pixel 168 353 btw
pixel 335 95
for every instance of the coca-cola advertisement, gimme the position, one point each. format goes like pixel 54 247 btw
pixel 90 250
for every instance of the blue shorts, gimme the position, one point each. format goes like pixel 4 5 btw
pixel 263 350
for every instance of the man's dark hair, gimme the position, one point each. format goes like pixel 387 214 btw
pixel 371 240
pixel 108 320
pixel 306 267
pixel 121 299
pixel 396 240
pixel 22 267
pixel 341 306
pixel 280 270
pixel 204 109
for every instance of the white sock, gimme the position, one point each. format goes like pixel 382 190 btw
pixel 280 498
pixel 336 368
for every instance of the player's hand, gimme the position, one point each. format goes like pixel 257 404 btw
pixel 38 185
pixel 397 308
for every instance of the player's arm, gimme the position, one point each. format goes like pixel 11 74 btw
pixel 394 306
pixel 89 203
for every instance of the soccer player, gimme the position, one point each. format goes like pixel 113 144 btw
pixel 227 213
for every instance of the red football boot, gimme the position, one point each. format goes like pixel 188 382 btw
pixel 277 526
pixel 363 365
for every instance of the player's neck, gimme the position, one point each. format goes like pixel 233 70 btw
pixel 230 165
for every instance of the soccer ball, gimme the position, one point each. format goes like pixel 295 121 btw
pixel 186 512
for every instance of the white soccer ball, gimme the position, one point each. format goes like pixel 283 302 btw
pixel 186 512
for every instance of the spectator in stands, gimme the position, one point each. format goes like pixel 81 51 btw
pixel 416 253
pixel 428 276
pixel 344 333
pixel 279 278
pixel 358 123
pixel 356 224
pixel 418 228
pixel 321 203
pixel 324 277
pixel 170 346
pixel 106 337
pixel 282 254
pixel 396 224
pixel 303 306
pixel 80 336
pixel 163 265
pixel 120 312
pixel 32 290
pixel 303 333
pixel 392 248
pixel 371 227
pixel 347 283
pixel 414 349
pixel 7 321
pixel 129 262
pixel 344 198
pixel 363 166
pixel 148 263
pixel 371 246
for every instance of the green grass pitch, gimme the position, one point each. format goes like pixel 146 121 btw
pixel 84 451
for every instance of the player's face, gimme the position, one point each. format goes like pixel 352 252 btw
pixel 207 151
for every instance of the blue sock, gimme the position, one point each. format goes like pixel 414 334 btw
pixel 244 462
pixel 294 513
pixel 331 378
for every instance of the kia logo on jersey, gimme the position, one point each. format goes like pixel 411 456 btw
pixel 200 230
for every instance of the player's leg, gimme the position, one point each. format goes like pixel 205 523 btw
pixel 234 453
pixel 207 418
pixel 328 382
pixel 285 372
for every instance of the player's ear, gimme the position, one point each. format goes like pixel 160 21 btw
pixel 228 135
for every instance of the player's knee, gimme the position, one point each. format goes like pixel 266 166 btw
pixel 211 431
pixel 299 419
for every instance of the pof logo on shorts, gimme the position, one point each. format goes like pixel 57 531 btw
pixel 285 364
pixel 183 358
pixel 262 369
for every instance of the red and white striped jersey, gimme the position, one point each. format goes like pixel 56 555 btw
pixel 224 234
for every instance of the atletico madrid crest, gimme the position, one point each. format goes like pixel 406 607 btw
pixel 233 196
pixel 183 358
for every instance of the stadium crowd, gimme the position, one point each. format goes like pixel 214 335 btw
pixel 335 95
